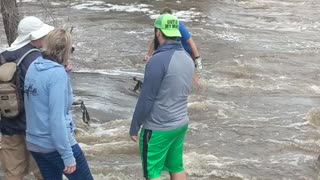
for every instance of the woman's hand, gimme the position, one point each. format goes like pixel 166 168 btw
pixel 70 169
pixel 68 68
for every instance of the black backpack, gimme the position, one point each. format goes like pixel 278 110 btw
pixel 11 97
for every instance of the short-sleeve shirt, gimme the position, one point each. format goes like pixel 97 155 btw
pixel 185 36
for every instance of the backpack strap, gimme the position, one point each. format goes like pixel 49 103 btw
pixel 25 54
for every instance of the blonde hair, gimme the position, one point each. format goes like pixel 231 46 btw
pixel 57 46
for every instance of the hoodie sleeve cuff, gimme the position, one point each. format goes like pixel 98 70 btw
pixel 69 161
pixel 134 131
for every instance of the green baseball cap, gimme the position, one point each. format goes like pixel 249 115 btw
pixel 168 24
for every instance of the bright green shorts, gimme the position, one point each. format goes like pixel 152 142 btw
pixel 162 151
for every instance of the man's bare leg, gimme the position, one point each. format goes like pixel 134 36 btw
pixel 178 176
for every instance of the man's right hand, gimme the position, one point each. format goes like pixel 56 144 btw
pixel 134 138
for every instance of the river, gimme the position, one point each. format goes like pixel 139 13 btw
pixel 255 116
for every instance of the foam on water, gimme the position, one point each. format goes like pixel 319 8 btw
pixel 199 106
pixel 315 88
pixel 247 140
pixel 114 72
pixel 291 159
pixel 102 6
pixel 208 165
pixel 220 109
pixel 55 3
pixel 206 104
pixel 189 15
pixel 264 119
pixel 245 79
pixel 184 16
pixel 293 144
pixel 270 3
pixel 112 129
pixel 101 129
pixel 242 83
pixel 298 125
pixel 108 138
pixel 313 117
pixel 196 126
pixel 230 36
pixel 134 32
pixel 29 0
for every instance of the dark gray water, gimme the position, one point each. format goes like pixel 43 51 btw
pixel 256 115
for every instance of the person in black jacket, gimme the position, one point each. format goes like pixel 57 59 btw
pixel 15 159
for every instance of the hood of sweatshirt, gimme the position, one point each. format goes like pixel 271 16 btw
pixel 44 64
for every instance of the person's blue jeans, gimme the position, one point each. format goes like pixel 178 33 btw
pixel 51 165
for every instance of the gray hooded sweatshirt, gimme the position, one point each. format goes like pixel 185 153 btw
pixel 162 104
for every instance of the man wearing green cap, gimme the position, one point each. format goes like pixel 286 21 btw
pixel 162 105
pixel 188 44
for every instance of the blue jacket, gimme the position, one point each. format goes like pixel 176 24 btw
pixel 48 99
pixel 162 104
pixel 18 124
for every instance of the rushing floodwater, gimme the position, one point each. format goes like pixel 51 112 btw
pixel 256 115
